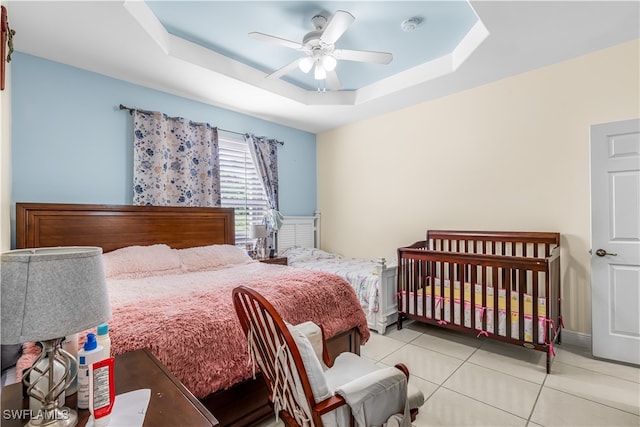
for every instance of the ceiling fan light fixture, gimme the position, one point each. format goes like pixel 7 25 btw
pixel 306 64
pixel 320 73
pixel 319 50
pixel 329 63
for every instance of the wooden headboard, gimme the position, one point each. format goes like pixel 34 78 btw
pixel 112 226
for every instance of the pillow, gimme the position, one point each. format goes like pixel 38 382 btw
pixel 135 262
pixel 212 257
pixel 315 372
pixel 311 364
pixel 314 335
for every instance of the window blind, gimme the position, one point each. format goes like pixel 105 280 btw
pixel 241 186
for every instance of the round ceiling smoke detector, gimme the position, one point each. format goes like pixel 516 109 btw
pixel 411 24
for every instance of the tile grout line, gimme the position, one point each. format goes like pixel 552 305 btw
pixel 441 385
pixel 593 401
pixel 480 401
pixel 535 402
pixel 527 420
pixel 484 403
pixel 541 385
pixel 598 372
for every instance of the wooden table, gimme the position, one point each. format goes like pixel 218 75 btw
pixel 171 403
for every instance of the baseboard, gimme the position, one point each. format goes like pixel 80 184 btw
pixel 578 339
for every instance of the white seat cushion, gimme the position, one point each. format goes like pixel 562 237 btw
pixel 349 366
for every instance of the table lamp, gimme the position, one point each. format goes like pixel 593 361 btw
pixel 48 293
pixel 259 232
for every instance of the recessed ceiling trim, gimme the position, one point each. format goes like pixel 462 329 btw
pixel 331 97
pixel 104 37
pixel 184 50
pixel 411 77
pixel 438 67
pixel 474 38
pixel 149 22
pixel 194 54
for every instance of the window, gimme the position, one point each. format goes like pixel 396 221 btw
pixel 241 186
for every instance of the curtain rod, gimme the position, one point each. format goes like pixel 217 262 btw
pixel 131 110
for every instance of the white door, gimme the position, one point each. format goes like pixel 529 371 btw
pixel 615 239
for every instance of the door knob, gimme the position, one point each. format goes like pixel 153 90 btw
pixel 602 252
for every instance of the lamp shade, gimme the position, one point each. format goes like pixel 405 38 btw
pixel 49 293
pixel 258 231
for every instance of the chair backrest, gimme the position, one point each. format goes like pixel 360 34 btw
pixel 276 353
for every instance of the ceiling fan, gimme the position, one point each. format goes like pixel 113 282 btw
pixel 320 51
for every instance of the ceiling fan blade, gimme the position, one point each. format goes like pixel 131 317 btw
pixel 333 81
pixel 276 40
pixel 284 70
pixel 336 27
pixel 363 56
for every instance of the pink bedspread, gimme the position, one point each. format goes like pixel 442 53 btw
pixel 189 323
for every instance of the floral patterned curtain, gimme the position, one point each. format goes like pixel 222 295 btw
pixel 265 156
pixel 175 161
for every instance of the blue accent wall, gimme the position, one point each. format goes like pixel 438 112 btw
pixel 72 144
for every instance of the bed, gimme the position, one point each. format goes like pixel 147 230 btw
pixel 180 308
pixel 374 281
pixel 500 285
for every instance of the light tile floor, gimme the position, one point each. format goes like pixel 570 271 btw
pixel 480 382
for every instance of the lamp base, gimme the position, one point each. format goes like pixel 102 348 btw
pixel 59 417
pixel 48 414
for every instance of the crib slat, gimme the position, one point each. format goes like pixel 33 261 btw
pixel 472 288
pixel 522 289
pixel 451 288
pixel 496 291
pixel 507 287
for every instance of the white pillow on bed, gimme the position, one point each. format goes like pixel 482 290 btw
pixel 135 262
pixel 212 257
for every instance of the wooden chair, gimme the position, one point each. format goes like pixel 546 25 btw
pixel 305 393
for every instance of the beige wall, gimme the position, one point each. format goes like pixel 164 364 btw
pixel 510 155
pixel 5 159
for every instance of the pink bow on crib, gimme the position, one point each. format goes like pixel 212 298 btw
pixel 550 343
pixel 551 350
pixel 482 333
pixel 442 322
pixel 482 309
pixel 553 328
